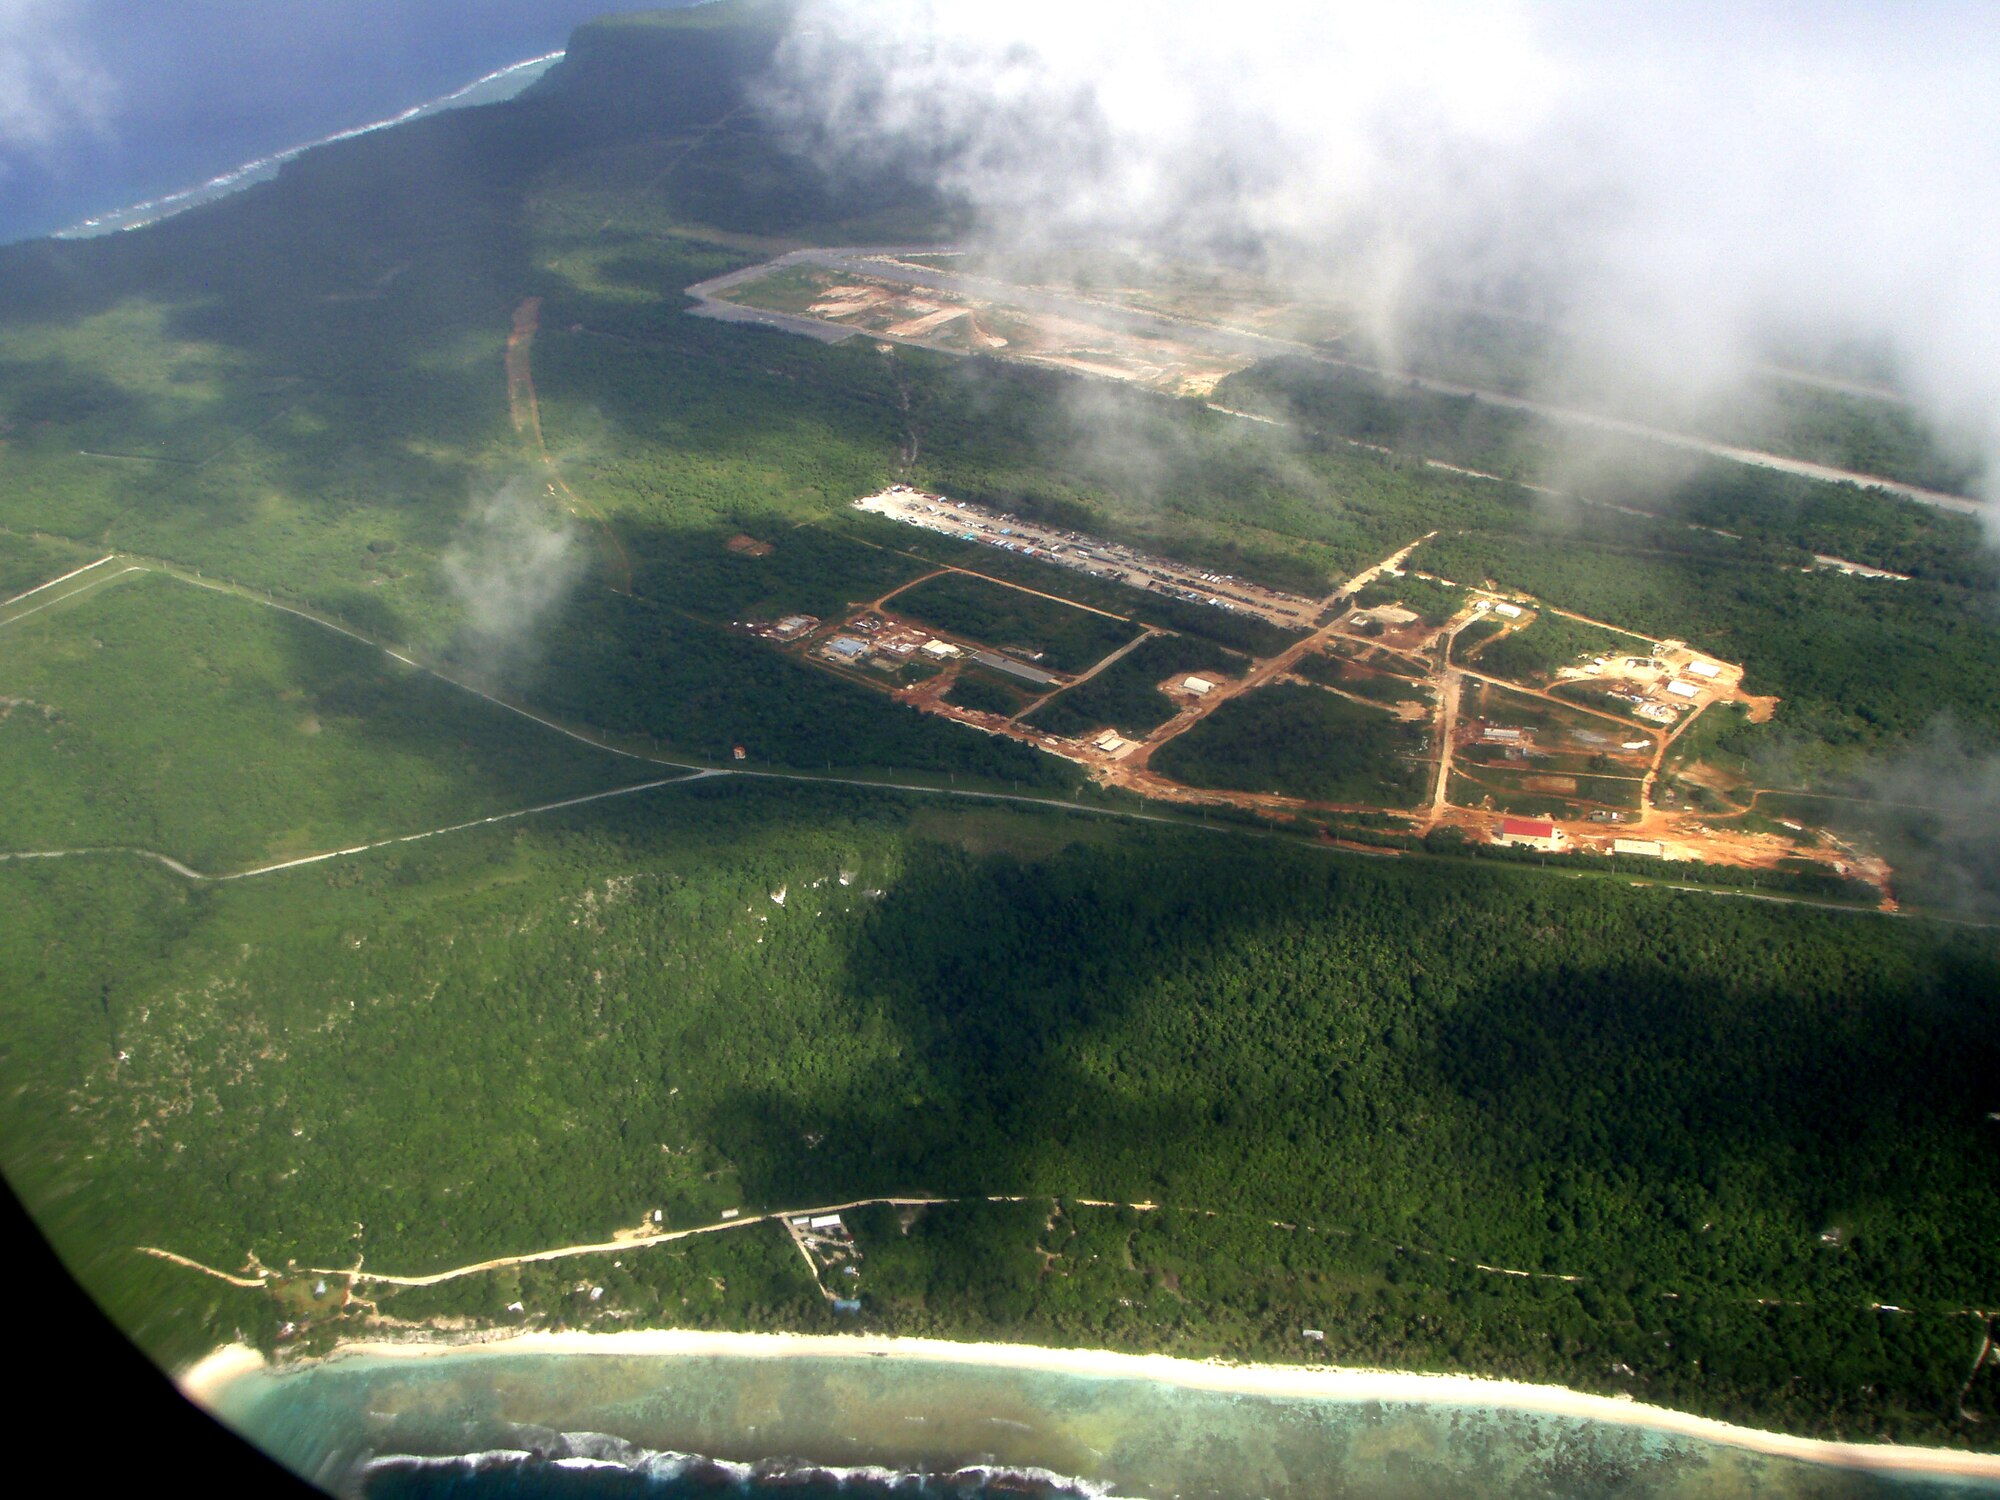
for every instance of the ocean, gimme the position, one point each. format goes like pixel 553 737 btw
pixel 490 88
pixel 195 99
pixel 514 1426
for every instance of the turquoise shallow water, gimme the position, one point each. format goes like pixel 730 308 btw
pixel 597 1424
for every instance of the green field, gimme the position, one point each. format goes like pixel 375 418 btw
pixel 218 731
pixel 1301 742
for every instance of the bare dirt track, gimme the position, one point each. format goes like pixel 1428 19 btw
pixel 526 409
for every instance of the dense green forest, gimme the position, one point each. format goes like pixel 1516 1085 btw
pixel 527 1034
pixel 1415 1055
pixel 1432 602
pixel 1534 652
pixel 1126 695
pixel 1061 638
pixel 1301 742
pixel 1876 435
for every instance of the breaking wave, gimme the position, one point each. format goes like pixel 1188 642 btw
pixel 498 84
pixel 594 1463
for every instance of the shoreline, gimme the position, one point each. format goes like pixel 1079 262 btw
pixel 204 1383
pixel 249 173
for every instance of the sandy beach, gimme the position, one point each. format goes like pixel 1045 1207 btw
pixel 204 1382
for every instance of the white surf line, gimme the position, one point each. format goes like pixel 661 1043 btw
pixel 30 593
pixel 431 833
pixel 169 204
pixel 84 589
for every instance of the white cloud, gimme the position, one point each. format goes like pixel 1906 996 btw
pixel 1676 182
pixel 51 88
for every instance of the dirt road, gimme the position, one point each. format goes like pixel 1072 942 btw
pixel 1265 670
pixel 1451 683
pixel 526 409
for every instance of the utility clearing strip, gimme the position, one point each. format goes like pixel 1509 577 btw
pixel 30 593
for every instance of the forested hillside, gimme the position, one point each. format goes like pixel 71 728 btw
pixel 437 388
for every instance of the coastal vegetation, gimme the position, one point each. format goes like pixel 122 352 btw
pixel 1353 1086
pixel 611 1014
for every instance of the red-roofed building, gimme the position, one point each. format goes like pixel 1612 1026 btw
pixel 1531 832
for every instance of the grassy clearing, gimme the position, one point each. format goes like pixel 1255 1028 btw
pixel 221 732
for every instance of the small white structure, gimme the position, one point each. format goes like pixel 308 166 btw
pixel 730 1213
pixel 825 1222
pixel 1511 611
pixel 1651 848
pixel 1199 686
pixel 1683 689
pixel 1704 669
pixel 942 650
